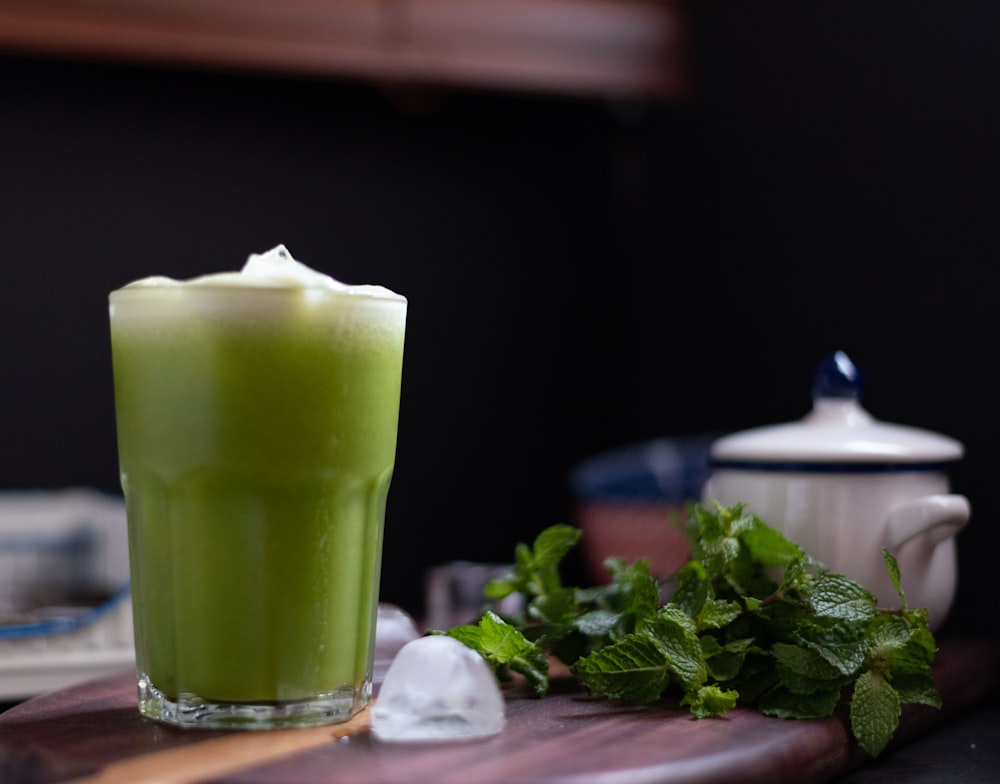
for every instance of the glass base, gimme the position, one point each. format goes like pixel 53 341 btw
pixel 189 710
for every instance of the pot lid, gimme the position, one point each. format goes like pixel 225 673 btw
pixel 837 431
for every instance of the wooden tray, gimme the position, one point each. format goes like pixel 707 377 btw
pixel 94 733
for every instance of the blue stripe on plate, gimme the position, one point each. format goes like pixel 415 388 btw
pixel 65 625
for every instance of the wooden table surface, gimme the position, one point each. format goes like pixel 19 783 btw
pixel 94 733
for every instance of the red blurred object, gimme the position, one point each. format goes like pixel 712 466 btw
pixel 632 503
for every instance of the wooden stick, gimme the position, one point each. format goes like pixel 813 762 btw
pixel 219 756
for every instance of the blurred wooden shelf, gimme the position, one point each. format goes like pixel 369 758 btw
pixel 610 48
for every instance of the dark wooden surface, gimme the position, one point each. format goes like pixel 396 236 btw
pixel 568 737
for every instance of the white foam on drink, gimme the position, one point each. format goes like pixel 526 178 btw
pixel 276 268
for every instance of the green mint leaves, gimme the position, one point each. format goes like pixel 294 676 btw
pixel 752 619
pixel 505 650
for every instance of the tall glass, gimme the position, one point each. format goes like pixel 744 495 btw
pixel 256 437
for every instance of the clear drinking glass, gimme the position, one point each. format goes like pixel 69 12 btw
pixel 256 436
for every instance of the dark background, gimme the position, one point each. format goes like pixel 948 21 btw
pixel 582 274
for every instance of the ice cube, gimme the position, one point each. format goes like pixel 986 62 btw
pixel 393 630
pixel 437 689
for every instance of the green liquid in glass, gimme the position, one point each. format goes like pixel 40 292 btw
pixel 256 435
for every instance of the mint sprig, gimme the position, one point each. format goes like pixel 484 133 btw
pixel 752 619
pixel 506 650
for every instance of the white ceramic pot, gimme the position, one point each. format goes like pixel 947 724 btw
pixel 843 486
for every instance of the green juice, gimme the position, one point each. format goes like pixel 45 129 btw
pixel 256 435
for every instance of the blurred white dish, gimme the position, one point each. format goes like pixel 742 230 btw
pixel 65 609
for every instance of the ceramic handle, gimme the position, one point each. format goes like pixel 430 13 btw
pixel 935 517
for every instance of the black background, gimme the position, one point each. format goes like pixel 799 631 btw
pixel 582 274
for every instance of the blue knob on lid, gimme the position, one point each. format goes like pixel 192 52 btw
pixel 837 377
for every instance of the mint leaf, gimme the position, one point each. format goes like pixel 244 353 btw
pixel 804 671
pixel 710 701
pixel 887 633
pixel 918 689
pixel 693 588
pixel 875 712
pixel 554 606
pixel 675 615
pixel 739 524
pixel 500 588
pixel 796 577
pixel 706 525
pixel 635 669
pixel 917 655
pixel 504 647
pixel 892 566
pixel 597 616
pixel 673 633
pixel 783 703
pixel 837 596
pixel 597 623
pixel 717 554
pixel 536 567
pixel 717 613
pixel 840 643
pixel 898 647
pixel 769 546
pixel 552 544
pixel 724 662
pixel 635 592
pixel 804 661
pixel 753 604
